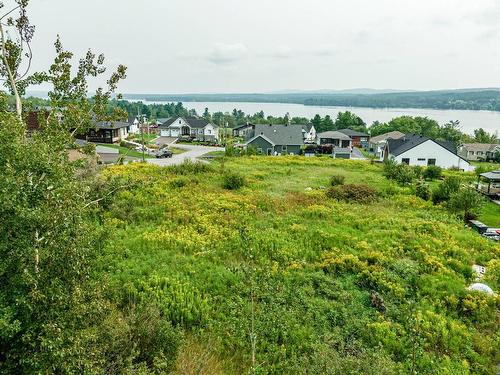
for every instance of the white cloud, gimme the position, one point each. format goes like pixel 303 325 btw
pixel 227 53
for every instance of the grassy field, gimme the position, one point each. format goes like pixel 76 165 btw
pixel 126 151
pixel 304 284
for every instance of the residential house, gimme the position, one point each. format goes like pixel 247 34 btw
pixel 334 138
pixel 413 149
pixel 359 139
pixel 190 128
pixel 479 151
pixel 134 122
pixel 244 130
pixel 309 133
pixel 107 132
pixel 378 143
pixel 276 139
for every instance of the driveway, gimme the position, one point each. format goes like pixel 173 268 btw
pixel 356 154
pixel 192 153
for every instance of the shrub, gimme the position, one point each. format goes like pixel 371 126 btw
pixel 433 172
pixel 418 171
pixel 189 167
pixel 359 193
pixel 233 181
pixel 337 180
pixel 423 191
pixel 443 192
pixel 402 173
pixel 466 202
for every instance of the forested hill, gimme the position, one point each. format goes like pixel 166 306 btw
pixel 474 99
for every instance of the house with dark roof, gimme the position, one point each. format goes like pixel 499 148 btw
pixel 244 130
pixel 414 149
pixel 359 139
pixel 107 132
pixel 276 139
pixel 479 151
pixel 192 128
pixel 378 143
pixel 334 138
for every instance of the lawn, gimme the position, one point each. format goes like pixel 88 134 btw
pixel 323 286
pixel 491 214
pixel 148 138
pixel 126 151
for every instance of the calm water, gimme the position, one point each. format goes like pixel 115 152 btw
pixel 469 120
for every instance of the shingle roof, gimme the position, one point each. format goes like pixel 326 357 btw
pixel 485 147
pixel 401 145
pixel 353 133
pixel 193 122
pixel 332 134
pixel 382 137
pixel 281 134
pixel 111 125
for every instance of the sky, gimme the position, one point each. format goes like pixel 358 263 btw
pixel 211 46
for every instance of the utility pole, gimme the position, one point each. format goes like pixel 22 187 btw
pixel 142 134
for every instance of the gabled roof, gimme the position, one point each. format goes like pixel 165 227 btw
pixel 191 121
pixel 399 146
pixel 260 136
pixel 332 134
pixel 242 126
pixel 111 125
pixel 281 134
pixel 307 127
pixel 484 147
pixel 383 137
pixel 353 133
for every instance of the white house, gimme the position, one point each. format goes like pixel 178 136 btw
pixel 413 149
pixel 134 123
pixel 309 133
pixel 193 128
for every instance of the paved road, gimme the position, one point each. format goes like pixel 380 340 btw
pixel 192 153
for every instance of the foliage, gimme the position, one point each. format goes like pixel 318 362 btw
pixel 466 202
pixel 449 186
pixel 233 181
pixel 334 285
pixel 337 180
pixel 402 173
pixel 360 193
pixel 423 191
pixel 432 172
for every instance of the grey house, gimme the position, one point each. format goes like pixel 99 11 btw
pixel 334 138
pixel 277 139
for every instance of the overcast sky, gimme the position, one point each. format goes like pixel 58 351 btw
pixel 184 46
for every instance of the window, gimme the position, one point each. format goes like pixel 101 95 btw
pixel 471 153
pixel 431 162
pixel 405 161
pixel 479 152
pixel 421 159
pixel 259 150
pixel 283 148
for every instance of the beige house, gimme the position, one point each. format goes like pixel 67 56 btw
pixel 479 151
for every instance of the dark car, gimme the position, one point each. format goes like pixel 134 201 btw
pixel 164 154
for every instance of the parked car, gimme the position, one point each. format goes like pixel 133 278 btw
pixel 165 153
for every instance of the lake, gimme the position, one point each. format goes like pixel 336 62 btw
pixel 469 120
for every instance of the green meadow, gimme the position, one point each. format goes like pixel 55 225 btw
pixel 277 278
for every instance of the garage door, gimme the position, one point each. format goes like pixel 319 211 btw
pixel 164 133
